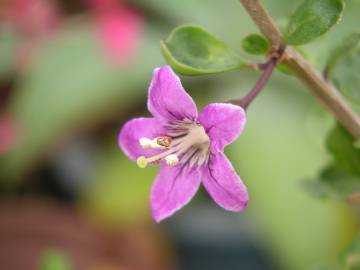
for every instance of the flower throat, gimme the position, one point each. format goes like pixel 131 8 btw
pixel 186 142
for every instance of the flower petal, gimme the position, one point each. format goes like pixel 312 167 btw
pixel 223 123
pixel 135 129
pixel 173 188
pixel 224 185
pixel 168 101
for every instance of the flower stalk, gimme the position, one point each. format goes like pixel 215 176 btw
pixel 267 68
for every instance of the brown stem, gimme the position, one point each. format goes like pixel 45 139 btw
pixel 323 90
pixel 264 22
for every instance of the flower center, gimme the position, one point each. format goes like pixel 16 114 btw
pixel 186 142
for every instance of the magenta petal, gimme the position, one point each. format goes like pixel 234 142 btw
pixel 168 101
pixel 135 129
pixel 224 185
pixel 173 188
pixel 223 123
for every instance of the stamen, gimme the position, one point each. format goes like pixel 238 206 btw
pixel 172 160
pixel 159 142
pixel 185 142
pixel 142 161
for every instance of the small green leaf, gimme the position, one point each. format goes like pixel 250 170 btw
pixel 341 145
pixel 7 53
pixel 312 19
pixel 350 257
pixel 191 50
pixel 255 44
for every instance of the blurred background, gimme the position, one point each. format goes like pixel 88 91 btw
pixel 72 72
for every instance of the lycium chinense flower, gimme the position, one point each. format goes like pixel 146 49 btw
pixel 186 145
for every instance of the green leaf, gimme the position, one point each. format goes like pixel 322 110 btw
pixel 345 75
pixel 350 257
pixel 255 44
pixel 333 183
pixel 312 19
pixel 191 50
pixel 341 145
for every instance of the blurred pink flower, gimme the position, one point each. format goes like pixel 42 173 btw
pixel 33 20
pixel 8 134
pixel 119 29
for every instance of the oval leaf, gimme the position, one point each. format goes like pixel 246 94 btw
pixel 191 50
pixel 312 19
pixel 255 44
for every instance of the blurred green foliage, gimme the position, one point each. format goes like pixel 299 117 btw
pixel 71 86
pixel 54 259
pixel 119 190
pixel 7 54
pixel 334 183
pixel 350 257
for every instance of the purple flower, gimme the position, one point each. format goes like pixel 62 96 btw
pixel 188 147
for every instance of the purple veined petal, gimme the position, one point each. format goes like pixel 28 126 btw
pixel 224 185
pixel 173 188
pixel 135 129
pixel 223 122
pixel 167 100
